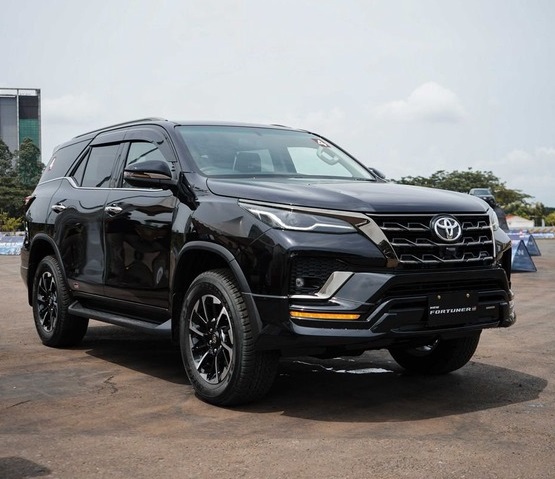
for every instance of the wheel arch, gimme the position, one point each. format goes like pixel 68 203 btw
pixel 41 246
pixel 195 258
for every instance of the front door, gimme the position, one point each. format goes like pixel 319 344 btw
pixel 137 225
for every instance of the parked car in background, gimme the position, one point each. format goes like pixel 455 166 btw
pixel 486 195
pixel 483 193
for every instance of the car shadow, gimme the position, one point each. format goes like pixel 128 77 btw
pixel 156 356
pixel 373 388
pixel 21 468
pixel 369 388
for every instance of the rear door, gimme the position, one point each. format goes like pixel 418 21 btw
pixel 77 212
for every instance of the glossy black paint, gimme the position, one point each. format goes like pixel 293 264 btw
pixel 77 230
pixel 131 252
pixel 363 196
pixel 137 242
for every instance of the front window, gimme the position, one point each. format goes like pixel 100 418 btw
pixel 251 151
pixel 141 151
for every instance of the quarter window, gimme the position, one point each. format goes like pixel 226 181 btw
pixel 62 161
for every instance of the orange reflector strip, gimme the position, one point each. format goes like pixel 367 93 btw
pixel 336 316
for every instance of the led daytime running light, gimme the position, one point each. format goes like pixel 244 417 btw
pixel 327 316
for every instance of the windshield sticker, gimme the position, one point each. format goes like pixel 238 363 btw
pixel 321 142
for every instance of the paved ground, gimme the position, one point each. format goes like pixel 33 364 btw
pixel 119 407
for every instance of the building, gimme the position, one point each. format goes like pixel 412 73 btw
pixel 518 223
pixel 20 116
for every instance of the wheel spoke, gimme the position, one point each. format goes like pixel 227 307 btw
pixel 47 301
pixel 44 319
pixel 43 309
pixel 210 304
pixel 195 329
pixel 229 349
pixel 198 363
pixel 211 339
pixel 216 370
pixel 223 314
pixel 224 360
pixel 200 315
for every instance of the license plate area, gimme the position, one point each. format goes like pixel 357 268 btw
pixel 452 307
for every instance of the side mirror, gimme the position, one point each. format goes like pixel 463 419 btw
pixel 377 173
pixel 149 174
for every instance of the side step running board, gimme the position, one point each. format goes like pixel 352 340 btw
pixel 163 329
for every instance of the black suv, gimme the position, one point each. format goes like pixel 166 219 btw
pixel 245 243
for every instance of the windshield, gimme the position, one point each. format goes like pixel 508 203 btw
pixel 252 151
pixel 480 191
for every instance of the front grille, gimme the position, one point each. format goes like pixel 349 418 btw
pixel 424 288
pixel 416 246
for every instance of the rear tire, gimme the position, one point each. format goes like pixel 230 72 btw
pixel 217 343
pixel 440 357
pixel 51 300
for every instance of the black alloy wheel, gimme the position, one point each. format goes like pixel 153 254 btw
pixel 217 343
pixel 441 356
pixel 211 339
pixel 51 300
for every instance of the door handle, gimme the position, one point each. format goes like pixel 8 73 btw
pixel 113 210
pixel 58 207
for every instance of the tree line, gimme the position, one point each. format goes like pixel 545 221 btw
pixel 512 201
pixel 19 173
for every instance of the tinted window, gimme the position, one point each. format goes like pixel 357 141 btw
pixel 143 151
pixel 62 160
pixel 96 169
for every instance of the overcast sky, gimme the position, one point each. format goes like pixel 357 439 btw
pixel 409 87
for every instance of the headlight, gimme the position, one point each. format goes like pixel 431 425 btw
pixel 292 220
pixel 493 219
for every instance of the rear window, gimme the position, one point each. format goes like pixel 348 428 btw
pixel 62 161
pixel 96 169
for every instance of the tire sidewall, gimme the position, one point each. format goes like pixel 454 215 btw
pixel 208 283
pixel 68 330
pixel 47 265
pixel 444 357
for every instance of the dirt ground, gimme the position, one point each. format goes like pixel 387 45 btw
pixel 119 406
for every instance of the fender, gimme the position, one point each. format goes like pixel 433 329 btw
pixel 33 262
pixel 231 261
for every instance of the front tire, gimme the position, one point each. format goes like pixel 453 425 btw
pixel 217 343
pixel 439 357
pixel 51 300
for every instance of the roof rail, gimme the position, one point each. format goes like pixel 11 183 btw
pixel 121 124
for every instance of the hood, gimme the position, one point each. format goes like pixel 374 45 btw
pixel 360 196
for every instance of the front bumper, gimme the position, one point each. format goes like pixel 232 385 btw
pixel 392 307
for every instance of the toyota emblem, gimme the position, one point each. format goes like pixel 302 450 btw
pixel 446 228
